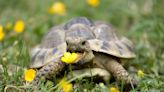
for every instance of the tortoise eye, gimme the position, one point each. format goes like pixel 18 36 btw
pixel 83 43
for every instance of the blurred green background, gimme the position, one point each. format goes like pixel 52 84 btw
pixel 142 21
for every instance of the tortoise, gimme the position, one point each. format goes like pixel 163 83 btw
pixel 97 41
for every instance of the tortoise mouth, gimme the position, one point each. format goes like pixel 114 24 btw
pixel 80 56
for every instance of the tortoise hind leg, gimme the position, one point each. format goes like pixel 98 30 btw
pixel 117 70
pixel 48 70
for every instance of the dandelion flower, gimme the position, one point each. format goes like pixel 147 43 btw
pixel 93 3
pixel 140 73
pixel 19 26
pixel 69 57
pixel 29 75
pixel 2 34
pixel 113 89
pixel 57 8
pixel 8 26
pixel 65 86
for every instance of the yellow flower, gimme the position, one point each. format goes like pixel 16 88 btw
pixel 69 57
pixel 65 86
pixel 29 75
pixel 57 8
pixel 2 34
pixel 140 73
pixel 8 26
pixel 93 3
pixel 113 89
pixel 19 26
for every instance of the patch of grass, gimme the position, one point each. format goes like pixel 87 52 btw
pixel 142 21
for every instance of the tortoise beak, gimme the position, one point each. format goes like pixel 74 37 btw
pixel 79 56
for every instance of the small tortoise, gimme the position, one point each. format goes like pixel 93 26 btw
pixel 96 40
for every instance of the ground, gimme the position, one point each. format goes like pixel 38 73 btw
pixel 142 21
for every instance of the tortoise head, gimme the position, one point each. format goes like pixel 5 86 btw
pixel 77 37
pixel 77 45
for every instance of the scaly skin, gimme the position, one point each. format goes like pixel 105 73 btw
pixel 49 70
pixel 116 69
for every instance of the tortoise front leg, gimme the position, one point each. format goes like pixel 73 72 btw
pixel 115 68
pixel 48 70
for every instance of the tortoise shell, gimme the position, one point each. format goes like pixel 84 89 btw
pixel 100 36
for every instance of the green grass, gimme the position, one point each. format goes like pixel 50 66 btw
pixel 142 21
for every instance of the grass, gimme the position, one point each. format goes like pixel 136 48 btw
pixel 142 21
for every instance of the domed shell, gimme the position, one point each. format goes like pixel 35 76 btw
pixel 100 36
pixel 108 42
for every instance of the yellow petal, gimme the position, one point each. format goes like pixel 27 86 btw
pixel 62 82
pixel 67 87
pixel 113 89
pixel 93 3
pixel 2 34
pixel 57 8
pixel 19 26
pixel 140 73
pixel 69 57
pixel 29 75
pixel 73 57
pixel 67 54
pixel 63 59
